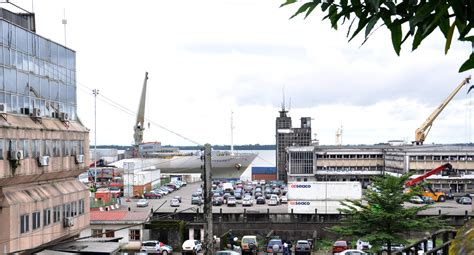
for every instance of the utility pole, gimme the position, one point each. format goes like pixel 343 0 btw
pixel 209 237
pixel 95 92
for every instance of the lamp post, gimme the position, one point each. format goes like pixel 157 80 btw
pixel 95 92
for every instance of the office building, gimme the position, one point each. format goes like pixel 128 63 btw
pixel 43 145
pixel 287 136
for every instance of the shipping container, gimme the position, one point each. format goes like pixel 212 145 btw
pixel 264 170
pixel 312 191
pixel 310 207
pixel 266 177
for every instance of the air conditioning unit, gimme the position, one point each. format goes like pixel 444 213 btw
pixel 36 113
pixel 15 155
pixel 3 108
pixel 68 222
pixel 43 160
pixel 64 116
pixel 79 159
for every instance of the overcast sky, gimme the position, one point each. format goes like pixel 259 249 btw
pixel 208 58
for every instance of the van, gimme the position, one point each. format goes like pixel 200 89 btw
pixel 245 244
pixel 228 187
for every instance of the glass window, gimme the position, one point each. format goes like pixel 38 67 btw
pixel 96 232
pixel 46 216
pixel 36 220
pixel 2 144
pixel 134 235
pixel 109 233
pixel 62 56
pixel 24 223
pixel 81 206
pixel 54 53
pixel 10 80
pixel 56 213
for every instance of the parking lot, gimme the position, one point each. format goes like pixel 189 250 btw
pixel 449 207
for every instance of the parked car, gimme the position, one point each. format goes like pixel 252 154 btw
pixel 152 195
pixel 260 200
pixel 247 201
pixel 302 247
pixel 274 243
pixel 352 252
pixel 217 201
pixel 231 201
pixel 339 246
pixel 142 203
pixel 284 199
pixel 197 201
pixel 428 200
pixel 174 202
pixel 258 194
pixel 238 195
pixel 227 252
pixel 177 197
pixel 276 198
pixel 394 247
pixel 272 201
pixel 151 247
pixel 464 200
pixel 268 195
pixel 246 244
pixel 192 246
pixel 416 200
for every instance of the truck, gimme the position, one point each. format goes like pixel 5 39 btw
pixel 438 196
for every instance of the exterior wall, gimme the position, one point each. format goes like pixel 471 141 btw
pixel 266 177
pixel 55 230
pixel 125 242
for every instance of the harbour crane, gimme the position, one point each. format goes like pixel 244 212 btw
pixel 140 123
pixel 423 130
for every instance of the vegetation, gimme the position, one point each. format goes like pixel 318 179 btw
pixel 384 220
pixel 404 19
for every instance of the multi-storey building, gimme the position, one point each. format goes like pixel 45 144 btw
pixel 360 163
pixel 43 145
pixel 287 136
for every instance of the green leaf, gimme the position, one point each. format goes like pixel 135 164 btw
pixel 363 20
pixel 373 20
pixel 444 26
pixel 302 9
pixel 391 6
pixel 333 16
pixel 374 4
pixel 350 26
pixel 396 30
pixel 469 64
pixel 288 2
pixel 449 38
pixel 310 9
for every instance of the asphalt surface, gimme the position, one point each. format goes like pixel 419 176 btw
pixel 450 207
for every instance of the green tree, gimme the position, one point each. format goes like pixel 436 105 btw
pixel 418 18
pixel 383 219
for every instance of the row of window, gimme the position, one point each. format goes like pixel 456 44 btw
pixel 36 148
pixel 443 158
pixel 72 209
pixel 351 168
pixel 349 156
pixel 32 44
pixel 133 234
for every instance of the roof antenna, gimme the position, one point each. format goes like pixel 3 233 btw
pixel 283 103
pixel 64 23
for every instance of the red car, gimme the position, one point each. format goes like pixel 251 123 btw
pixel 339 246
pixel 152 195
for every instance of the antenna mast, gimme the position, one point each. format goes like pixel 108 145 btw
pixel 64 23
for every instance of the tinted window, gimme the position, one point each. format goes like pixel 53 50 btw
pixel 340 243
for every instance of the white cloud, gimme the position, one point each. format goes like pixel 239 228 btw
pixel 205 58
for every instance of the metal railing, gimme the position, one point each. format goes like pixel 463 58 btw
pixel 446 235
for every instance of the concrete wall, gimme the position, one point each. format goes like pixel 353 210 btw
pixel 125 242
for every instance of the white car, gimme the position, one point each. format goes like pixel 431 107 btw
pixel 274 196
pixel 352 252
pixel 247 201
pixel 193 246
pixel 174 202
pixel 142 203
pixel 284 199
pixel 272 201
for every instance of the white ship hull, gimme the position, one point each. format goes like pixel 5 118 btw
pixel 223 166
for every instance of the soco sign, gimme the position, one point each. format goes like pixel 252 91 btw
pixel 300 186
pixel 300 203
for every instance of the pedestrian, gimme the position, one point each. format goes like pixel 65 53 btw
pixel 285 249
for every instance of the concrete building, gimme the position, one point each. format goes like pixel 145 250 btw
pixel 43 145
pixel 360 163
pixel 287 136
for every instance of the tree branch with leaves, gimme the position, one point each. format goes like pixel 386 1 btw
pixel 419 18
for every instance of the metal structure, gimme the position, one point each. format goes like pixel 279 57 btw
pixel 424 129
pixel 140 123
pixel 446 170
pixel 209 237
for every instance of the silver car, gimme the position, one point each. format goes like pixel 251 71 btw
pixel 142 203
pixel 155 246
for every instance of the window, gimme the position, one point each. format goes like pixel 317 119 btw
pixel 134 234
pixel 81 206
pixel 109 233
pixel 26 148
pixel 1 148
pixel 67 210
pixel 36 149
pixel 96 232
pixel 56 213
pixel 24 223
pixel 73 208
pixel 36 220
pixel 46 216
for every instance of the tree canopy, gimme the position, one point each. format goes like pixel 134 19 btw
pixel 384 219
pixel 404 19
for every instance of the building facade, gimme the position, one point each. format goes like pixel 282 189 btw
pixel 361 163
pixel 43 146
pixel 287 136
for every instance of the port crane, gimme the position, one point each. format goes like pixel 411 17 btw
pixel 424 129
pixel 140 123
pixel 445 170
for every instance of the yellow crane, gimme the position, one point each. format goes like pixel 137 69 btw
pixel 423 130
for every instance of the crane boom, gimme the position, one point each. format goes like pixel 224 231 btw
pixel 140 123
pixel 422 177
pixel 423 130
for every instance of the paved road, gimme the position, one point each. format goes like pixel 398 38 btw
pixel 449 207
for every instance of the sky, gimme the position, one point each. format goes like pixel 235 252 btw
pixel 206 59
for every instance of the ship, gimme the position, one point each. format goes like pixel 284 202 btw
pixel 170 160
